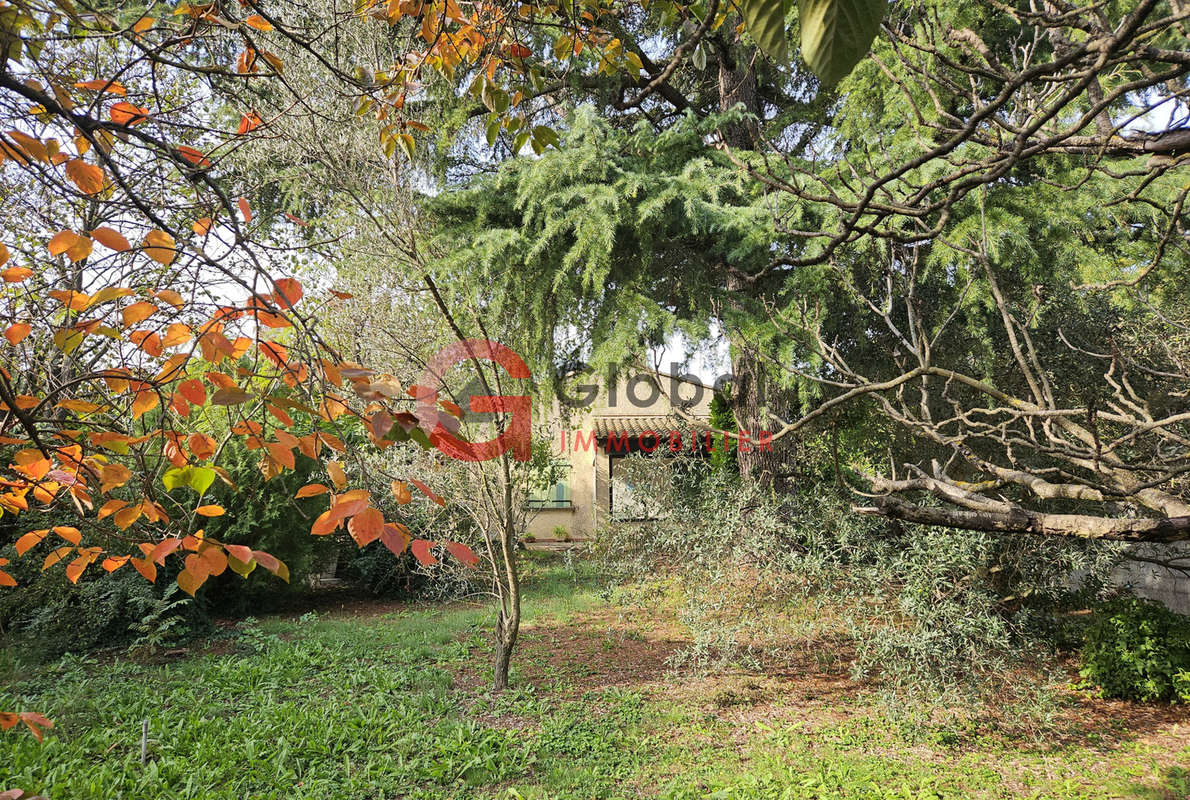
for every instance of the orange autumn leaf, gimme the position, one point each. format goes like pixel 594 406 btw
pixel 259 23
pixel 75 301
pixel 245 209
pixel 17 332
pixel 338 476
pixel 249 122
pixel 201 445
pixel 110 239
pixel 113 563
pixel 202 226
pixel 75 569
pixel 210 511
pixel 89 178
pixel 137 312
pixel 145 402
pixel 194 391
pixel 111 507
pixel 56 556
pixel 68 533
pixel 177 333
pixel 70 244
pixel 289 291
pixel 101 85
pixel 196 157
pixel 365 527
pixel 124 113
pixel 147 341
pixel 126 516
pixel 170 296
pixel 311 490
pixel 113 476
pixel 145 567
pixel 159 246
pixel 189 581
pixel 30 540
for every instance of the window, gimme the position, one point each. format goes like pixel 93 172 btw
pixel 556 495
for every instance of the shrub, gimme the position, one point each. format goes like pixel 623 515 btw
pixel 561 534
pixel 1138 650
pixel 927 610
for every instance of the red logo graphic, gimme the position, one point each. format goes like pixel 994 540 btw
pixel 516 436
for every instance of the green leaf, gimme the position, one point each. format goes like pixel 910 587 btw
pixel 419 436
pixel 765 21
pixel 519 141
pixel 837 34
pixel 495 98
pixel 493 129
pixel 197 478
pixel 546 135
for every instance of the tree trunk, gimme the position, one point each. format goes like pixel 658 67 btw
pixel 1163 531
pixel 508 623
pixel 749 394
pixel 506 633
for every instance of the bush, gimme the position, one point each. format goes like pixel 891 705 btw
pixel 1138 650
pixel 929 611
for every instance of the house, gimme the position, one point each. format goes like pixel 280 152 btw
pixel 594 431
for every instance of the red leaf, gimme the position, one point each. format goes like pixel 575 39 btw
pixel 428 493
pixel 239 552
pixel 245 209
pixel 421 551
pixel 194 391
pixel 164 548
pixel 395 537
pixel 462 552
pixel 272 564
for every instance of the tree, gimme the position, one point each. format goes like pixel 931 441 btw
pixel 146 323
pixel 921 257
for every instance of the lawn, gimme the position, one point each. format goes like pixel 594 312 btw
pixel 374 700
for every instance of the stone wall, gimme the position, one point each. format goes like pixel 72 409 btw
pixel 1170 587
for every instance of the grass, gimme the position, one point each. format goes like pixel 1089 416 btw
pixel 393 704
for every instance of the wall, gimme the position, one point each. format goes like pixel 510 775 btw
pixel 589 468
pixel 1156 582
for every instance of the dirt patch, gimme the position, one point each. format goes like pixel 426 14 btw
pixel 809 684
pixel 596 652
